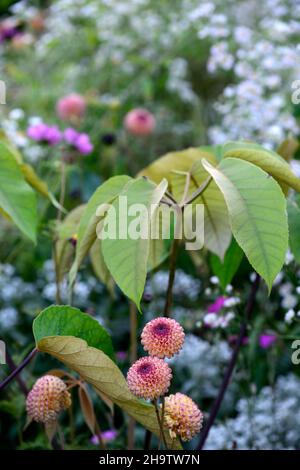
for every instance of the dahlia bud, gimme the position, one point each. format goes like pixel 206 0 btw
pixel 139 121
pixel 71 107
pixel 162 337
pixel 182 416
pixel 149 378
pixel 47 398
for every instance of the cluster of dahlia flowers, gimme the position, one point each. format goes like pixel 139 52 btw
pixel 150 378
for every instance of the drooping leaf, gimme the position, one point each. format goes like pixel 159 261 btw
pixel 64 250
pixel 178 161
pixel 17 198
pixel 269 161
pixel 34 180
pixel 287 148
pixel 100 268
pixel 217 231
pixel 227 269
pixel 100 371
pixel 63 320
pixel 257 211
pixel 127 257
pixel 87 408
pixel 89 220
pixel 294 228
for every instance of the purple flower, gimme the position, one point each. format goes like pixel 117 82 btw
pixel 106 436
pixel 217 305
pixel 266 340
pixel 81 142
pixel 42 133
pixel 71 136
pixel 121 355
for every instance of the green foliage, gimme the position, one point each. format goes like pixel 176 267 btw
pixel 17 199
pixel 69 321
pixel 226 269
pixel 257 211
pixel 294 227
pixel 86 236
pixel 127 258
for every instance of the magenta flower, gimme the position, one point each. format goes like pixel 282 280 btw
pixel 106 436
pixel 80 142
pixel 267 340
pixel 41 132
pixel 121 355
pixel 217 305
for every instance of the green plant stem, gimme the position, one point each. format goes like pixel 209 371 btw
pixel 18 369
pixel 198 191
pixel 133 358
pixel 232 363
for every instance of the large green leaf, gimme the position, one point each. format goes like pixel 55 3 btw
pixel 17 199
pixel 269 161
pixel 63 320
pixel 126 258
pixel 87 228
pixel 99 370
pixel 257 210
pixel 226 270
pixel 294 228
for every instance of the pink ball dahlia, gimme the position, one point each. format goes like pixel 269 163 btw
pixel 162 337
pixel 71 107
pixel 182 417
pixel 47 398
pixel 139 121
pixel 149 378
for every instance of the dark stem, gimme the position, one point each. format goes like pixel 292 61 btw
pixel 226 380
pixel 18 369
pixel 162 434
pixel 148 437
pixel 172 269
pixel 133 358
pixel 55 444
pixel 11 364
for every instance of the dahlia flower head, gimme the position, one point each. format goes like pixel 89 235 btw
pixel 139 121
pixel 162 337
pixel 71 107
pixel 149 378
pixel 47 398
pixel 182 416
